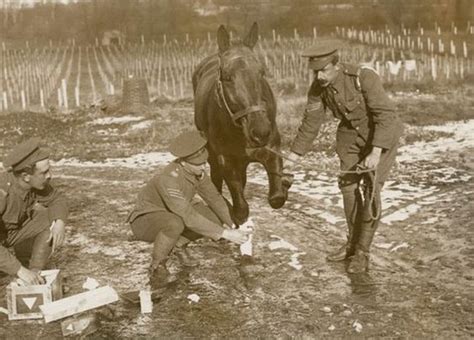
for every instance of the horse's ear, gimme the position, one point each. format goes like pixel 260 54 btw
pixel 251 38
pixel 223 39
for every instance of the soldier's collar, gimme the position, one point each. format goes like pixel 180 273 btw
pixel 338 82
pixel 18 188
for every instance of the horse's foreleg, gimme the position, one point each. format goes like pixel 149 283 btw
pixel 279 183
pixel 235 177
pixel 216 171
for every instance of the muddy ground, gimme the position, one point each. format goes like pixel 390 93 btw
pixel 420 282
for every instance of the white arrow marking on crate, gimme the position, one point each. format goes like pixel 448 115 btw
pixel 70 327
pixel 29 302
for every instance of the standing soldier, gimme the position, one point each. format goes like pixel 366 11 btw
pixel 367 138
pixel 32 212
pixel 166 214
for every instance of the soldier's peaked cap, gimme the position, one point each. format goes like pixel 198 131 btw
pixel 187 144
pixel 25 155
pixel 321 54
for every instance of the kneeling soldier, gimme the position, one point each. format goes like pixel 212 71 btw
pixel 165 212
pixel 32 212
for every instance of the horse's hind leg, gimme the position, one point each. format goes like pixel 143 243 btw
pixel 235 177
pixel 279 183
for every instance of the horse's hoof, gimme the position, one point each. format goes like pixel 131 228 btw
pixel 277 202
pixel 240 218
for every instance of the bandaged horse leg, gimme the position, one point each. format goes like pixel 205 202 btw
pixel 353 208
pixel 370 221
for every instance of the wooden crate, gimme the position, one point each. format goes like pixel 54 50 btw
pixel 24 301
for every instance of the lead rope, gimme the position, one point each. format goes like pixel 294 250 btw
pixel 374 204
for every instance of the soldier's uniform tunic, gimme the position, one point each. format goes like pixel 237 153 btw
pixel 167 203
pixel 25 214
pixel 367 118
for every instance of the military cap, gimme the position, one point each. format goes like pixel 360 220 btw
pixel 321 54
pixel 190 146
pixel 25 155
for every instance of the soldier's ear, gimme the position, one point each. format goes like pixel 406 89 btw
pixel 25 177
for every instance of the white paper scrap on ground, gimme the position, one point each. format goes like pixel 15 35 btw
pixel 90 284
pixel 3 310
pixel 280 244
pixel 193 298
pixel 357 326
pixel 294 261
pixel 246 248
pixel 145 301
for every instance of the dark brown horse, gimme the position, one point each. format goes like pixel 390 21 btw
pixel 235 107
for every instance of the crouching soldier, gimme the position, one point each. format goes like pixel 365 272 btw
pixel 166 213
pixel 32 212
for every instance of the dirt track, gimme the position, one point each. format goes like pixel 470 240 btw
pixel 420 283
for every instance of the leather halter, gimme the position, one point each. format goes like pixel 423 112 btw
pixel 239 114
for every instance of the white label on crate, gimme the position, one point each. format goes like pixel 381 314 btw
pixel 30 302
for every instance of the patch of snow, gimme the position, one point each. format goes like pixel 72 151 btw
pixel 280 244
pixel 142 125
pixel 401 214
pixel 462 138
pixel 115 120
pixel 140 160
pixel 400 246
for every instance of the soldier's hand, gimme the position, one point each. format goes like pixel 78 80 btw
pixel 372 159
pixel 235 235
pixel 29 276
pixel 58 232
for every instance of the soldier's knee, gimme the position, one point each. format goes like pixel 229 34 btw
pixel 174 227
pixel 347 186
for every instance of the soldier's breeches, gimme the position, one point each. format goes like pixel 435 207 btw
pixel 146 227
pixel 164 229
pixel 30 242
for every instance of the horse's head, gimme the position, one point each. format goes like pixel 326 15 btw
pixel 239 86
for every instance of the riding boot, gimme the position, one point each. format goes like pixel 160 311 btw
pixel 41 251
pixel 353 206
pixel 360 261
pixel 159 274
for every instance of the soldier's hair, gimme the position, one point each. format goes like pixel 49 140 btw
pixel 335 59
pixel 30 170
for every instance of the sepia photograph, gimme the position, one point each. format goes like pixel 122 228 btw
pixel 236 169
